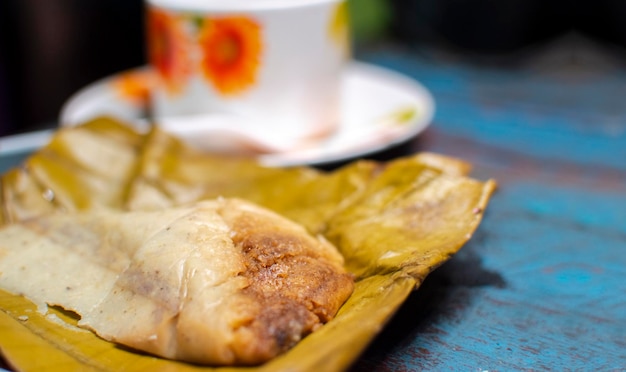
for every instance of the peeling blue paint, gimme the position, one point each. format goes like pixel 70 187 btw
pixel 542 284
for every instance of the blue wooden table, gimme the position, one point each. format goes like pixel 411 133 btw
pixel 542 284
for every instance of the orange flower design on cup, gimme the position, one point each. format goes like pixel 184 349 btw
pixel 168 49
pixel 134 86
pixel 231 52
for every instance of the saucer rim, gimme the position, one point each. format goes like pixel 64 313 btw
pixel 413 128
pixel 95 91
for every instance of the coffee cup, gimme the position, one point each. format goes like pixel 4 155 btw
pixel 266 69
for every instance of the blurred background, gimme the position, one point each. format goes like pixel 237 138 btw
pixel 51 48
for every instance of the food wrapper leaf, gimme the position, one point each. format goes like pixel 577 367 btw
pixel 393 222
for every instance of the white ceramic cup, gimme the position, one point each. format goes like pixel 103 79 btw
pixel 268 68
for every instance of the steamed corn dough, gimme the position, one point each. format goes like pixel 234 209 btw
pixel 219 282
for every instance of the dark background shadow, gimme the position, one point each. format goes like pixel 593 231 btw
pixel 51 48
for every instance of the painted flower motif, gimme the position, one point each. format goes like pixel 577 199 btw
pixel 134 86
pixel 168 49
pixel 231 52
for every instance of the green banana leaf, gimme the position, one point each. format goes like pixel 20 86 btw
pixel 394 223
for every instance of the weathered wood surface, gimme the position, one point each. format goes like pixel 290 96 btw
pixel 542 284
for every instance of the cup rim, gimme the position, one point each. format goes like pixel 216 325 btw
pixel 235 5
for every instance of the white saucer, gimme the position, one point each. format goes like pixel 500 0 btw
pixel 380 109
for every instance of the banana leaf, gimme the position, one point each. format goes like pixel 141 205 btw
pixel 393 222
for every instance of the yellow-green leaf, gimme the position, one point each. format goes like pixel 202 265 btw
pixel 394 223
